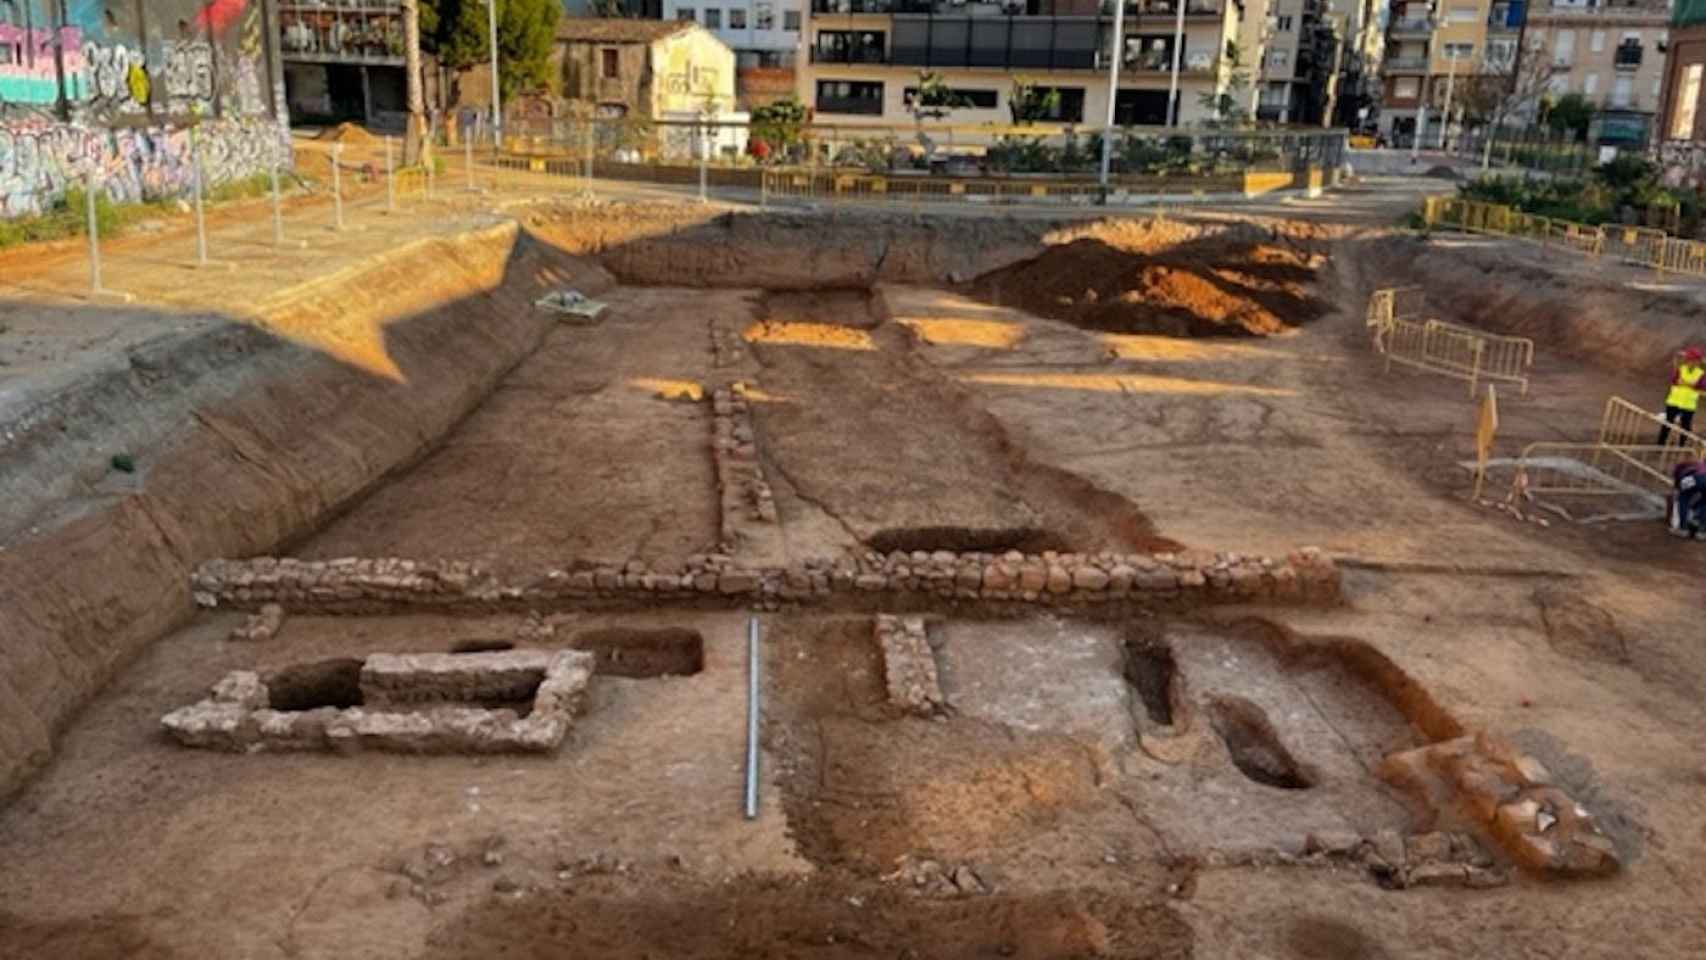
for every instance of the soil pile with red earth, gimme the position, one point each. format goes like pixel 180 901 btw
pixel 1164 278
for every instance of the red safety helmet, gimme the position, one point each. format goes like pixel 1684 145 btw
pixel 1691 353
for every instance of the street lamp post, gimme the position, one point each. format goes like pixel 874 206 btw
pixel 497 96
pixel 1113 91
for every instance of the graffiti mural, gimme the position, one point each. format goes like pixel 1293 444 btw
pixel 40 159
pixel 112 89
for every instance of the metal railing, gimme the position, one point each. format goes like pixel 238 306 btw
pixel 1441 347
pixel 1625 459
pixel 1641 246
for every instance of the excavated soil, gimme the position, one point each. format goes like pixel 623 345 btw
pixel 769 919
pixel 1168 279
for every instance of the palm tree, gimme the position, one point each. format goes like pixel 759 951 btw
pixel 416 147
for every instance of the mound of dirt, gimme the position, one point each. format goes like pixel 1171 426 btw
pixel 348 133
pixel 1242 281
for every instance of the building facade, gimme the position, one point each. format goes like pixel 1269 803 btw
pixel 1612 55
pixel 1430 47
pixel 764 34
pixel 863 59
pixel 111 92
pixel 655 69
pixel 344 61
pixel 1680 134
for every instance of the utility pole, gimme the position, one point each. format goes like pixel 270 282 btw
pixel 1445 116
pixel 1113 90
pixel 497 94
pixel 1178 58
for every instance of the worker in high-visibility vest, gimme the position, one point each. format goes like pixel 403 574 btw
pixel 1684 396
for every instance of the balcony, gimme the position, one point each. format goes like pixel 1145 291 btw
pixel 856 106
pixel 1410 27
pixel 355 32
pixel 849 55
pixel 1405 64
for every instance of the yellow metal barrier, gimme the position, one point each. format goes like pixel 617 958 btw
pixel 1588 470
pixel 1502 358
pixel 1639 245
pixel 1432 348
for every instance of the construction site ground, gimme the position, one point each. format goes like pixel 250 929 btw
pixel 1219 393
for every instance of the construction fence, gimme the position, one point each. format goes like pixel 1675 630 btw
pixel 1642 246
pixel 1464 353
pixel 1634 454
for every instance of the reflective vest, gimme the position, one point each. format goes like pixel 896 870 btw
pixel 1685 394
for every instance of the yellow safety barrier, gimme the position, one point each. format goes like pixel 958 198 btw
pixel 1445 348
pixel 1644 246
pixel 1588 470
pixel 1502 358
pixel 1432 348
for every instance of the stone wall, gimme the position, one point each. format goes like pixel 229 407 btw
pixel 745 497
pixel 355 585
pixel 238 716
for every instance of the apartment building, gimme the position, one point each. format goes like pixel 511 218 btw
pixel 1429 47
pixel 1284 72
pixel 764 34
pixel 863 58
pixel 1681 125
pixel 1612 54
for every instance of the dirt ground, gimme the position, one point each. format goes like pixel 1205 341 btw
pixel 1065 804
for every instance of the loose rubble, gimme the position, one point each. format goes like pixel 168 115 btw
pixel 1175 580
pixel 411 703
pixel 263 625
pixel 1510 794
pixel 746 496
pixel 909 665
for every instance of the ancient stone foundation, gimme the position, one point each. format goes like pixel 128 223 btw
pixel 746 497
pixel 1511 795
pixel 410 703
pixel 355 585
pixel 909 666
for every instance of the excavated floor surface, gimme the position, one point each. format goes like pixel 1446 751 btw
pixel 1098 786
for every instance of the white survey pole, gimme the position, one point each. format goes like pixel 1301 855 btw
pixel 1178 58
pixel 1113 90
pixel 1445 116
pixel 497 96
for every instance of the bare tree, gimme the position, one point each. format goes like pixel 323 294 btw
pixel 415 147
pixel 1505 88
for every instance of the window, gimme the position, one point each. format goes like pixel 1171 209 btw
pixel 1459 51
pixel 1623 91
pixel 849 46
pixel 1148 52
pixel 1279 60
pixel 610 64
pixel 1501 54
pixel 791 20
pixel 1071 109
pixel 1278 94
pixel 737 18
pixel 1564 48
pixel 713 18
pixel 1406 88
pixel 1596 41
pixel 850 96
pixel 763 15
pixel 1283 24
pixel 1465 14
pixel 1590 84
pixel 685 13
pixel 970 99
pixel 1682 123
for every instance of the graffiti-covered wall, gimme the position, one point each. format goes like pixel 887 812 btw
pixel 128 90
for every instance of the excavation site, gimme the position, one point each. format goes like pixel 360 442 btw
pixel 1096 587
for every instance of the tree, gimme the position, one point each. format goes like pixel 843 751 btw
pixel 417 146
pixel 1505 88
pixel 779 125
pixel 1227 104
pixel 526 32
pixel 1572 113
pixel 933 99
pixel 1029 103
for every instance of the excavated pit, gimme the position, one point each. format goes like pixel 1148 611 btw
pixel 1255 746
pixel 310 686
pixel 641 653
pixel 1152 672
